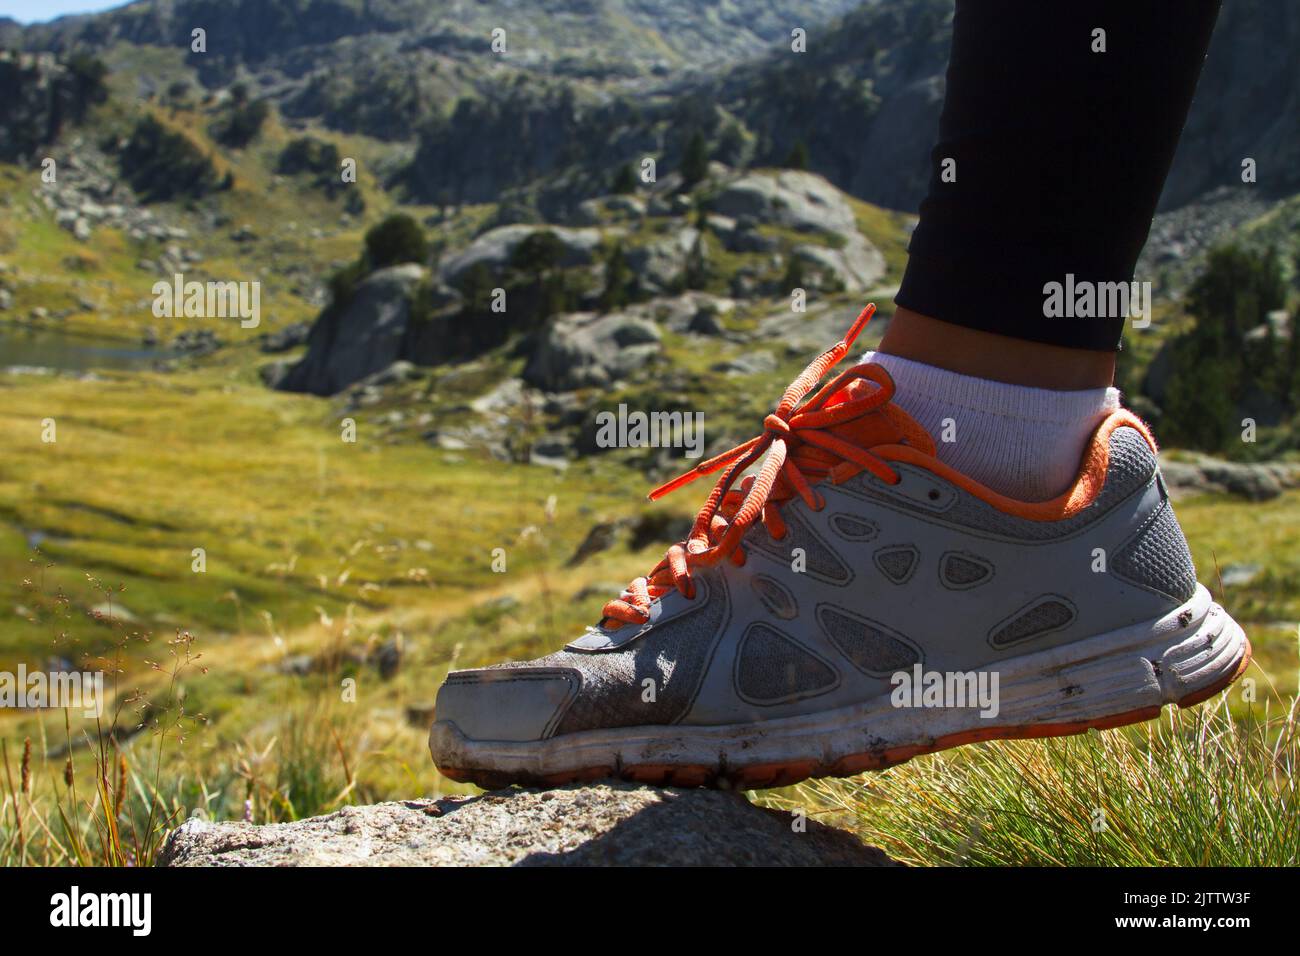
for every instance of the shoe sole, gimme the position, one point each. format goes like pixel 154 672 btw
pixel 1111 680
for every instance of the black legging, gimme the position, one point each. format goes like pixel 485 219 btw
pixel 1060 152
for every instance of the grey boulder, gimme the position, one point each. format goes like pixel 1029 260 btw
pixel 495 247
pixel 612 825
pixel 363 336
pixel 586 350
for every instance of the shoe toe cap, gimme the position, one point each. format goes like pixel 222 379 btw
pixel 509 704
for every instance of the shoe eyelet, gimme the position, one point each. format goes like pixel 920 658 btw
pixel 934 494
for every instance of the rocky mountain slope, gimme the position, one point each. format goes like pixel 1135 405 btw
pixel 584 87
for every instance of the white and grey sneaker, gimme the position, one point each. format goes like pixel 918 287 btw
pixel 857 603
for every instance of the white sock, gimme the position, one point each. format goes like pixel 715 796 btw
pixel 1026 443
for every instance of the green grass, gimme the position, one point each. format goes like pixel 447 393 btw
pixel 1198 788
pixel 147 468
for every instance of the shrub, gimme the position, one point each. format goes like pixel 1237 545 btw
pixel 242 123
pixel 397 239
pixel 343 283
pixel 161 164
pixel 307 154
pixel 1213 364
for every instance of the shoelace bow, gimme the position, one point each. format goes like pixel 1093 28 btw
pixel 729 513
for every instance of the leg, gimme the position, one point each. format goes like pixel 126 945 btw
pixel 1052 153
pixel 1060 154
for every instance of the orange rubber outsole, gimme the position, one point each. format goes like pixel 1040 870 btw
pixel 760 776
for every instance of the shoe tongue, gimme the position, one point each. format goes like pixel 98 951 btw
pixel 886 425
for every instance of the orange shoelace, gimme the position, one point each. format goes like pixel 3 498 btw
pixel 799 446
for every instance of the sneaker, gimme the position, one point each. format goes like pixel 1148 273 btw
pixel 856 603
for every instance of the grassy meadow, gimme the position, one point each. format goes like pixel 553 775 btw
pixel 258 687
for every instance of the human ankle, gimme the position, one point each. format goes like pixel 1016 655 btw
pixel 996 358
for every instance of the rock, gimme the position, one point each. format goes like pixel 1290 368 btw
pixel 722 227
pixel 677 312
pixel 660 528
pixel 659 206
pixel 273 374
pixel 751 363
pixel 537 456
pixel 1239 575
pixel 1276 324
pixel 749 239
pixel 594 212
pixel 803 333
pixel 6 300
pixel 196 343
pixel 552 446
pixel 388 657
pixel 705 322
pixel 420 714
pixel 107 612
pixel 400 371
pixel 298 665
pixel 363 336
pixel 1255 481
pixel 626 207
pixel 289 337
pixel 507 396
pixel 791 198
pixel 495 247
pixel 609 825
pixel 584 350
pixel 658 265
pixel 600 538
pixel 808 203
pixel 854 267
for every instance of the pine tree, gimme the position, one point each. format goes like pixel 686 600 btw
pixel 618 280
pixel 624 180
pixel 798 158
pixel 695 161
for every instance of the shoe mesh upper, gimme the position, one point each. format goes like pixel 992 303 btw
pixel 1132 463
pixel 775 668
pixel 1157 557
pixel 822 562
pixel 672 654
pixel 870 647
